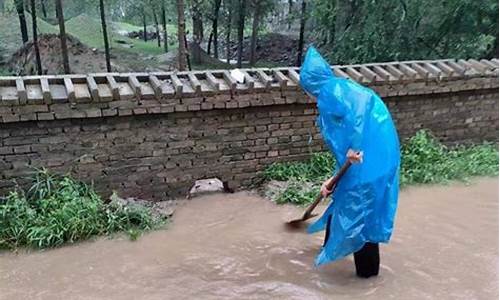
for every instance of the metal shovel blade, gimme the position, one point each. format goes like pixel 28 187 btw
pixel 299 223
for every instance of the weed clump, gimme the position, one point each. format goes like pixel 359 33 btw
pixel 423 160
pixel 58 209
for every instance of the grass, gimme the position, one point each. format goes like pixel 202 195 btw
pixel 424 160
pixel 88 31
pixel 123 26
pixel 58 209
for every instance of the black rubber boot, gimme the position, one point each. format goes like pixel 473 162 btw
pixel 367 260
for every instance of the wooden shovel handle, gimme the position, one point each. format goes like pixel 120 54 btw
pixel 330 186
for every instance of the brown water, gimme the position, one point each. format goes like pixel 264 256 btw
pixel 233 246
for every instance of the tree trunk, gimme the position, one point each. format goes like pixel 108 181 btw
pixel 35 38
pixel 187 53
pixel 181 35
pixel 62 36
pixel 2 6
pixel 301 34
pixel 164 21
pixel 105 35
pixel 255 29
pixel 22 20
pixel 241 27
pixel 157 27
pixel 197 31
pixel 344 12
pixel 228 32
pixel 215 28
pixel 290 10
pixel 44 9
pixel 210 37
pixel 145 33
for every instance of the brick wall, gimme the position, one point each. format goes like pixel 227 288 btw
pixel 154 148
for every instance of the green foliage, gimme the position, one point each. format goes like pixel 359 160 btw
pixel 298 192
pixel 424 160
pixel 386 30
pixel 58 210
pixel 318 167
pixel 88 30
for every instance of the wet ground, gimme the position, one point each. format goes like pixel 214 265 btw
pixel 234 246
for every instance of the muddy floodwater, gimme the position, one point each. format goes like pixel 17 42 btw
pixel 234 246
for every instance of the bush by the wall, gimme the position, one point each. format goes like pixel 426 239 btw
pixel 59 209
pixel 423 160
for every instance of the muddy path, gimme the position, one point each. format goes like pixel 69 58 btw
pixel 234 246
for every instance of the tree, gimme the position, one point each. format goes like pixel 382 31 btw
pixel 260 9
pixel 301 34
pixel 354 31
pixel 255 27
pixel 157 26
pixel 197 18
pixel 105 35
pixel 35 37
pixel 145 30
pixel 181 35
pixel 290 11
pixel 241 27
pixel 229 7
pixel 44 9
pixel 215 24
pixel 62 35
pixel 22 20
pixel 164 22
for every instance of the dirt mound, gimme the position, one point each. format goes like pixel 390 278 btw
pixel 272 47
pixel 82 59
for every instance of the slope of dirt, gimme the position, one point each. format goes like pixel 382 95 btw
pixel 82 59
pixel 271 48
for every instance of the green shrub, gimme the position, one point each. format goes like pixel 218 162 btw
pixel 59 209
pixel 318 167
pixel 423 160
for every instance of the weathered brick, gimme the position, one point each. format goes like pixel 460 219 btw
pixel 139 111
pixel 194 107
pixel 109 112
pixel 45 116
pixel 124 112
pixel 181 107
pixel 22 149
pixel 6 150
pixel 28 117
pixel 207 105
pixel 231 104
pixel 23 140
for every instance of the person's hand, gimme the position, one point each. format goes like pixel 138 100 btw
pixel 355 156
pixel 324 190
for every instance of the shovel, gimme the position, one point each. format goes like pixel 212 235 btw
pixel 330 186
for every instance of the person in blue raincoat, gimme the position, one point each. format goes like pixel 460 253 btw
pixel 355 125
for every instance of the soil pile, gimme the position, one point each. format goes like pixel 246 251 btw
pixel 82 59
pixel 272 47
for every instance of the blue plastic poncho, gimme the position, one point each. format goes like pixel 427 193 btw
pixel 354 117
